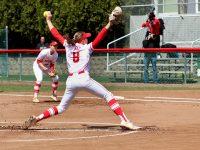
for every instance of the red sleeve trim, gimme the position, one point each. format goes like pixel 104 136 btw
pixel 57 35
pixel 39 61
pixel 144 25
pixel 52 66
pixel 99 37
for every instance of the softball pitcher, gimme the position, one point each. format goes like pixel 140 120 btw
pixel 45 64
pixel 78 53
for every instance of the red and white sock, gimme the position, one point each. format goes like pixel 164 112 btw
pixel 48 113
pixel 36 88
pixel 54 86
pixel 114 105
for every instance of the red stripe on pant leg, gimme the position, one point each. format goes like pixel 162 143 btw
pixel 37 84
pixel 111 102
pixel 36 91
pixel 118 111
pixel 54 86
pixel 46 114
pixel 55 110
pixel 37 87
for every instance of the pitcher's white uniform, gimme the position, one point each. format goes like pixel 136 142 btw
pixel 47 60
pixel 78 58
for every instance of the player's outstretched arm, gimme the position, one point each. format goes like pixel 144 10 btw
pixel 113 19
pixel 103 32
pixel 52 29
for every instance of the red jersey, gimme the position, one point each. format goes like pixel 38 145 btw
pixel 78 55
pixel 153 26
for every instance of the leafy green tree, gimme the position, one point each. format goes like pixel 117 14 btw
pixel 26 23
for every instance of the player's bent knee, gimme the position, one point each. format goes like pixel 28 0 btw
pixel 109 96
pixel 39 81
pixel 56 78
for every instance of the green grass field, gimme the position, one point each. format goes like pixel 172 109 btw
pixel 15 83
pixel 24 86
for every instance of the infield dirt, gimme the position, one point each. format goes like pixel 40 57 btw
pixel 174 113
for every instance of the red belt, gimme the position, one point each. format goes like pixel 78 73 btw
pixel 80 72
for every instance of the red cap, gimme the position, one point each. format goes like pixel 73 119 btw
pixel 53 43
pixel 86 35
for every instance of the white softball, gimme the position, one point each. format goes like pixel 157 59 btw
pixel 45 13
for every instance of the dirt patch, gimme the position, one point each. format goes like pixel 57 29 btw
pixel 170 120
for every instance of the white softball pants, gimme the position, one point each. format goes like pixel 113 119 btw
pixel 78 82
pixel 39 74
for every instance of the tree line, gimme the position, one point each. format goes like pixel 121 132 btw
pixel 26 23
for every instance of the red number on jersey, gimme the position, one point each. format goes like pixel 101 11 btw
pixel 76 57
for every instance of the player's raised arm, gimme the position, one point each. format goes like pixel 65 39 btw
pixel 114 18
pixel 54 31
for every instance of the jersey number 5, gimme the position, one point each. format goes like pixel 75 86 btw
pixel 75 57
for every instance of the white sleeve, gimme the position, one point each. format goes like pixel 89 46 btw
pixel 55 59
pixel 42 54
pixel 90 48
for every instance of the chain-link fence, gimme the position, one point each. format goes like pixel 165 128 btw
pixel 4 57
pixel 181 29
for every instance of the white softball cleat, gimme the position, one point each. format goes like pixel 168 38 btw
pixel 35 100
pixel 129 125
pixel 54 98
pixel 30 122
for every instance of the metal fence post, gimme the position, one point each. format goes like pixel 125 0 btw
pixel 20 67
pixel 185 69
pixel 7 62
pixel 126 67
